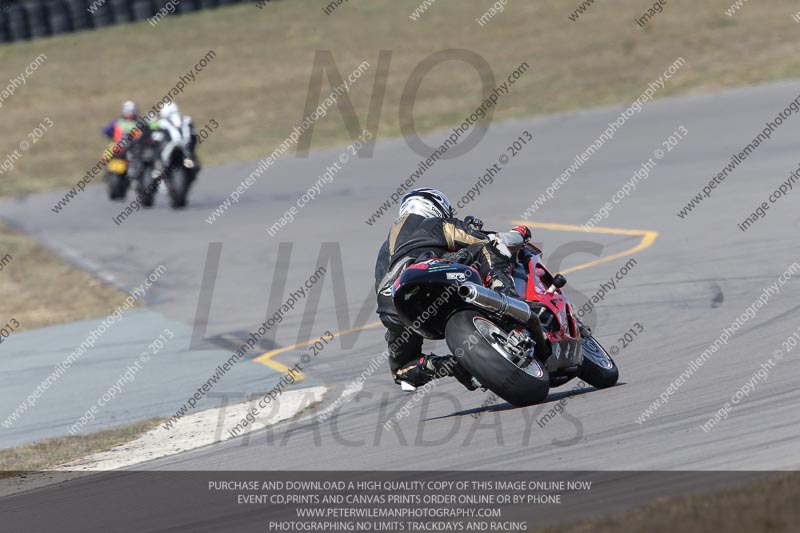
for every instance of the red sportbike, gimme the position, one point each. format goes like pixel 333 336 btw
pixel 517 349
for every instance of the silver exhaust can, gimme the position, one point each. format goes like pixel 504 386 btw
pixel 488 299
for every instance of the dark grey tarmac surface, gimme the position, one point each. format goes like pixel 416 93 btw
pixel 699 275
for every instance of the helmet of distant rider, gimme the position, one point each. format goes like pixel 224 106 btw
pixel 426 202
pixel 130 110
pixel 171 113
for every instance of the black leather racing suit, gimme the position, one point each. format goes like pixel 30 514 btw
pixel 413 237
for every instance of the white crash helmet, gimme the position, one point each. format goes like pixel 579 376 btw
pixel 130 110
pixel 426 202
pixel 171 113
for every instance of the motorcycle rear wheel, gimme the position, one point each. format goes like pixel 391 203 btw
pixel 477 342
pixel 117 186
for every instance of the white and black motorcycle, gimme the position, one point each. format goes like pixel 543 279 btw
pixel 179 164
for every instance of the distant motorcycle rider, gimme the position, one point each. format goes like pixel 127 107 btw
pixel 124 130
pixel 176 130
pixel 132 142
pixel 426 228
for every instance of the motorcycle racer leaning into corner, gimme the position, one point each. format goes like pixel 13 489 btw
pixel 426 228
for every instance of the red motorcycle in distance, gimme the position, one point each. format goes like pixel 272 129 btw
pixel 516 349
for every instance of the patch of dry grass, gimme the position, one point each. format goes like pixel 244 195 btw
pixel 39 289
pixel 48 453
pixel 257 85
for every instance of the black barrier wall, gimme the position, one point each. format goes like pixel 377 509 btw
pixel 30 19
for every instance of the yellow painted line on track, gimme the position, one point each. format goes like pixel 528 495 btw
pixel 648 237
pixel 266 358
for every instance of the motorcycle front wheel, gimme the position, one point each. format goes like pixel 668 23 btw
pixel 598 369
pixel 149 186
pixel 479 344
pixel 179 187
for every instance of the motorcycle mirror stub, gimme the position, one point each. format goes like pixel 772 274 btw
pixel 558 282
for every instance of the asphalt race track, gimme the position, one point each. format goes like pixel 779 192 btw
pixel 696 278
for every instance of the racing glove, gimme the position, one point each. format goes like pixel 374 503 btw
pixel 473 222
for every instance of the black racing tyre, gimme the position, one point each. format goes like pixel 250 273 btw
pixel 188 6
pixel 122 10
pixel 102 17
pixel 18 22
pixel 38 20
pixel 179 188
pixel 5 32
pixel 476 341
pixel 148 199
pixel 598 369
pixel 143 9
pixel 149 187
pixel 79 13
pixel 60 18
pixel 117 186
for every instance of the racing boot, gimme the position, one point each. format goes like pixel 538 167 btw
pixel 429 367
